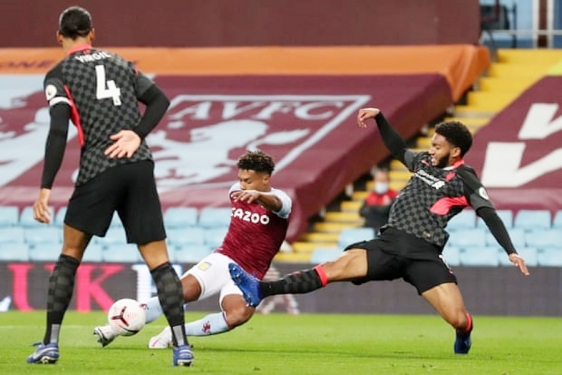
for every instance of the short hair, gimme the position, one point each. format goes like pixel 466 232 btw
pixel 456 133
pixel 75 22
pixel 257 161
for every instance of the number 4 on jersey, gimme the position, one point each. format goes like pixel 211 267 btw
pixel 106 89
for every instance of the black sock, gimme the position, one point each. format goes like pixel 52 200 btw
pixel 61 287
pixel 170 295
pixel 294 283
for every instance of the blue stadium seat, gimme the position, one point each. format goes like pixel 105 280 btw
pixel 466 219
pixel 116 221
pixel 44 252
pixel 322 255
pixel 468 238
pixel 550 257
pixel 185 236
pixel 505 215
pixel 59 216
pixel 26 217
pixel 557 220
pixel 529 254
pixel 9 216
pixel 479 256
pixel 114 236
pixel 214 236
pixel 12 235
pixel 452 255
pixel 517 236
pixel 192 253
pixel 44 234
pixel 93 253
pixel 180 217
pixel 349 236
pixel 212 217
pixel 532 219
pixel 121 253
pixel 544 238
pixel 14 252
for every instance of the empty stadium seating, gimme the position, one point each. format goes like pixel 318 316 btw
pixel 193 234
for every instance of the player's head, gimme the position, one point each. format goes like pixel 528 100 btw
pixel 75 25
pixel 254 170
pixel 450 143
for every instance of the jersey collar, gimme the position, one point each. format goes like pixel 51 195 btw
pixel 79 48
pixel 457 164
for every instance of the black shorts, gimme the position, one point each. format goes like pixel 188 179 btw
pixel 129 189
pixel 396 254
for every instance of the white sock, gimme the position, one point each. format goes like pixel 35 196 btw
pixel 153 309
pixel 212 324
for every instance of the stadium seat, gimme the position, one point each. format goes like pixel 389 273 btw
pixel 530 254
pixel 180 217
pixel 14 252
pixel 185 236
pixel 116 222
pixel 26 217
pixel 44 252
pixel 550 257
pixel 59 216
pixel 349 236
pixel 113 236
pixel 479 256
pixel 505 215
pixel 517 236
pixel 12 235
pixel 468 238
pixel 192 253
pixel 44 234
pixel 93 253
pixel 9 216
pixel 557 221
pixel 322 255
pixel 212 217
pixel 544 238
pixel 214 236
pixel 532 219
pixel 451 254
pixel 121 253
pixel 466 219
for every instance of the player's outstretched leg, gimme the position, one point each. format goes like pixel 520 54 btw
pixel 44 353
pixel 249 285
pixel 105 335
pixel 463 341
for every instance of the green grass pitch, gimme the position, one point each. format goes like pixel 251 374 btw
pixel 305 344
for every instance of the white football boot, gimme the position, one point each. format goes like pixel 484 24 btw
pixel 105 334
pixel 162 340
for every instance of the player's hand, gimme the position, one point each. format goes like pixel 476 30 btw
pixel 519 262
pixel 127 142
pixel 246 195
pixel 365 114
pixel 41 211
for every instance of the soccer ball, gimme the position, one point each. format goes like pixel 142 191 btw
pixel 126 317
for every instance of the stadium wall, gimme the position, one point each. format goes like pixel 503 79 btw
pixel 204 23
pixel 487 290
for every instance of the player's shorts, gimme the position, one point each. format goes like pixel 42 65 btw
pixel 129 189
pixel 213 276
pixel 388 258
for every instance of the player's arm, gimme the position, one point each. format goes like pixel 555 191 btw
pixel 156 102
pixel 479 200
pixel 59 110
pixel 392 140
